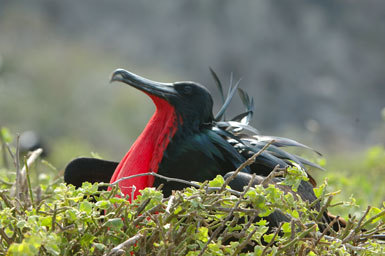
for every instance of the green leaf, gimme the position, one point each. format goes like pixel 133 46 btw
pixel 21 224
pixel 268 237
pixel 28 247
pixel 320 190
pixel 99 246
pixel 203 234
pixel 87 239
pixel 51 244
pixel 103 204
pixel 286 227
pixel 375 211
pixel 46 221
pixel 294 213
pixel 262 222
pixel 217 182
pixel 178 209
pixel 6 135
pixel 72 214
pixel 86 207
pixel 115 223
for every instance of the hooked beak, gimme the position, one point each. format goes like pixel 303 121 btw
pixel 162 90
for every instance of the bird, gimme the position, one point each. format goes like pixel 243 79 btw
pixel 183 139
pixel 30 141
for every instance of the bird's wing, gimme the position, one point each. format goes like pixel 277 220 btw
pixel 247 141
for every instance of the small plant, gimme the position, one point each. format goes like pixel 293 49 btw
pixel 52 218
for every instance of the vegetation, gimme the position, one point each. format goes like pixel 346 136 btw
pixel 48 217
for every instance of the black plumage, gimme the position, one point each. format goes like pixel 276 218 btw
pixel 203 146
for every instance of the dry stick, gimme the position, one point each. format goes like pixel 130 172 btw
pixel 216 232
pixel 299 236
pixel 158 176
pixel 326 230
pixel 373 218
pixel 8 239
pixel 349 225
pixel 28 181
pixel 208 189
pixel 15 187
pixel 292 227
pixel 169 204
pixel 156 208
pixel 54 218
pixel 272 175
pixel 119 249
pixel 324 208
pixel 141 207
pixel 11 153
pixel 21 178
pixel 244 243
pixel 354 231
pixel 248 162
pixel 352 247
pixel 272 240
pixel 223 209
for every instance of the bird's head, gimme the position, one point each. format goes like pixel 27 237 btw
pixel 191 101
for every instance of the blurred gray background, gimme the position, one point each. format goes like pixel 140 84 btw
pixel 314 68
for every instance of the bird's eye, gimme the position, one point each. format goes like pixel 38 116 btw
pixel 187 89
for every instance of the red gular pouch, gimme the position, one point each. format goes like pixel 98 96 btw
pixel 147 151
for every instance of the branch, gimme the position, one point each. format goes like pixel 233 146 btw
pixel 119 249
pixel 216 232
pixel 272 175
pixel 190 183
pixel 248 162
pixel 158 176
pixel 20 185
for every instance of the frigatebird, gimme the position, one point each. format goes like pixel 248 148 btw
pixel 184 140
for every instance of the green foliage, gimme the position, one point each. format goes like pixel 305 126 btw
pixel 62 220
pixel 358 177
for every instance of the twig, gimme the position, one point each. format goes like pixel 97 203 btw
pixel 156 208
pixel 248 162
pixel 119 249
pixel 9 240
pixel 28 181
pixel 216 232
pixel 272 175
pixel 352 247
pixel 141 207
pixel 20 185
pixel 299 236
pixel 190 183
pixel 54 218
pixel 292 229
pixel 372 218
pixel 324 208
pixel 169 204
pixel 232 191
pixel 358 227
pixel 272 240
pixel 326 230
pixel 354 231
pixel 158 176
pixel 223 209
